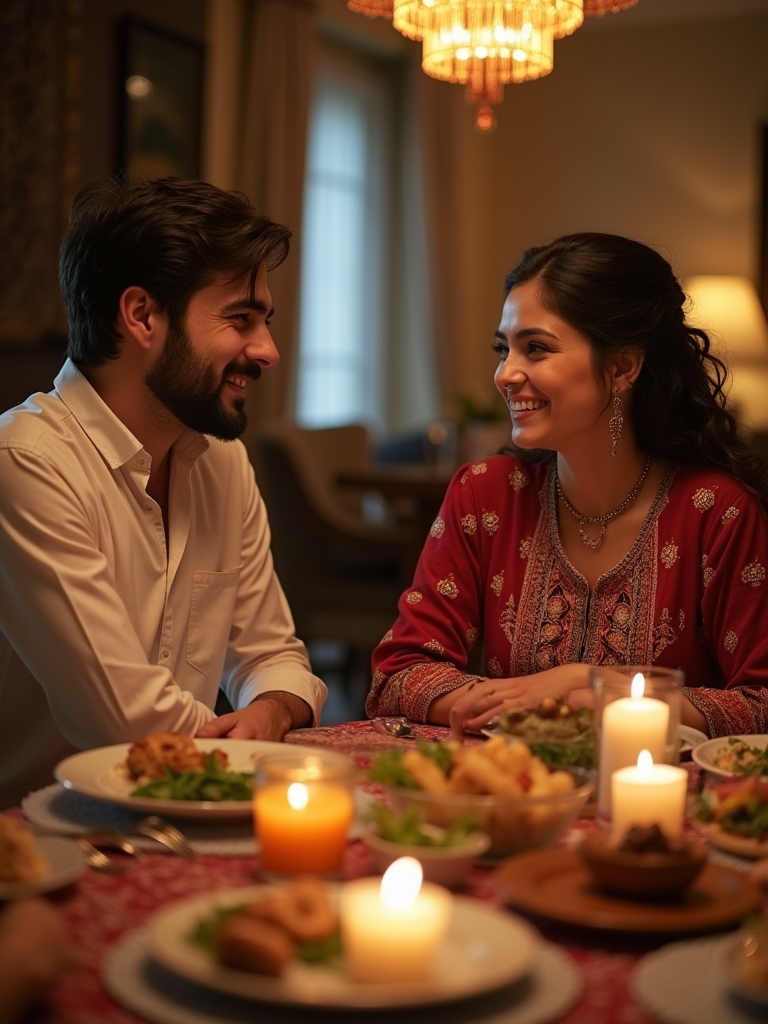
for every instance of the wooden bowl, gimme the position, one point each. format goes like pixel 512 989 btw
pixel 642 875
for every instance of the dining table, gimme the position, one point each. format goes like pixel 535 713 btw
pixel 586 975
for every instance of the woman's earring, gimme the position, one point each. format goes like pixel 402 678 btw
pixel 616 422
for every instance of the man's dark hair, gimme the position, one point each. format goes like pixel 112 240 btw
pixel 168 236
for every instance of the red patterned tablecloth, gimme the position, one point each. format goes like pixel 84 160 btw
pixel 99 909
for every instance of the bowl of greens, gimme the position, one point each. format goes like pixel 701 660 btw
pixel 446 855
pixel 556 733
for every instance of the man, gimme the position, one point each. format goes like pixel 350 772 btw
pixel 135 570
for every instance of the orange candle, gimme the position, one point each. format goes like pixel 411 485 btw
pixel 302 812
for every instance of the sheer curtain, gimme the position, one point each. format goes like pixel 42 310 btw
pixel 280 54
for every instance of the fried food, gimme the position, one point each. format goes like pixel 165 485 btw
pixel 253 945
pixel 19 859
pixel 303 909
pixel 151 755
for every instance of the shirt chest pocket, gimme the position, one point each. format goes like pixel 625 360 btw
pixel 210 619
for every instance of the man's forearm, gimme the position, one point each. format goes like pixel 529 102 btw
pixel 294 712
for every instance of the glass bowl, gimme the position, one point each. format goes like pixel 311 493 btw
pixel 514 823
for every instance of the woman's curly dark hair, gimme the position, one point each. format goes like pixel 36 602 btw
pixel 622 294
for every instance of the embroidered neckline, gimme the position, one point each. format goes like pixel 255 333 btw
pixel 631 556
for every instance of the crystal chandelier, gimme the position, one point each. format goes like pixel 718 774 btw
pixel 486 44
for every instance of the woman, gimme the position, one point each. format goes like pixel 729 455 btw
pixel 629 527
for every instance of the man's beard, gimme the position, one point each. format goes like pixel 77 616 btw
pixel 189 388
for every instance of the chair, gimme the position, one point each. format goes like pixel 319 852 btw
pixel 342 576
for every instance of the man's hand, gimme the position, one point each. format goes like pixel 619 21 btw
pixel 269 717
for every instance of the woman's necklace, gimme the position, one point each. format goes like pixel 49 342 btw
pixel 595 542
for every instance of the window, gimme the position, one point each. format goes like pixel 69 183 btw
pixel 344 245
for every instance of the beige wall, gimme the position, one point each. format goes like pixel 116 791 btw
pixel 652 132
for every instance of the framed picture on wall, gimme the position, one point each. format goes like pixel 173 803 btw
pixel 160 98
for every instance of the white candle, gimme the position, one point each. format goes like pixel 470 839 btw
pixel 391 929
pixel 629 725
pixel 648 794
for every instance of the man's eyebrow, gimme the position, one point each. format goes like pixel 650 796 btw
pixel 254 304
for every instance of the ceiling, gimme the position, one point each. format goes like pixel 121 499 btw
pixel 648 12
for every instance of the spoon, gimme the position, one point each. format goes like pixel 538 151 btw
pixel 400 728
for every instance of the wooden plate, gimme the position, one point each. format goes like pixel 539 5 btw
pixel 742 846
pixel 556 884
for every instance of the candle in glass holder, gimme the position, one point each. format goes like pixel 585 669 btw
pixel 302 810
pixel 629 725
pixel 648 794
pixel 392 928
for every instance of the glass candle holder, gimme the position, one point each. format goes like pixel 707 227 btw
pixel 627 721
pixel 302 809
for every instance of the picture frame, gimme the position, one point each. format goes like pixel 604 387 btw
pixel 160 101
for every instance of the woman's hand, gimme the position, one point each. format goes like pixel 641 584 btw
pixel 473 706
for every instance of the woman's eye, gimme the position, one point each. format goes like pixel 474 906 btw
pixel 500 349
pixel 535 347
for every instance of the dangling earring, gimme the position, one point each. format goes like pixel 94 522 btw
pixel 616 422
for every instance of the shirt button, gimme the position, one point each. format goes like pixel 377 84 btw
pixel 141 461
pixel 148 508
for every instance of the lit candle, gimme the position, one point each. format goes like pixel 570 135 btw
pixel 629 725
pixel 648 794
pixel 302 826
pixel 392 929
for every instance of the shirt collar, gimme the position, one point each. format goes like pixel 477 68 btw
pixel 106 431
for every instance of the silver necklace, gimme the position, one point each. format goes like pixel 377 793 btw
pixel 595 542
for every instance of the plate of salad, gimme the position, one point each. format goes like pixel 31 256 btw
pixel 212 792
pixel 733 815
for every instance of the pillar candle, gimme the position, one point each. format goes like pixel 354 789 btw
pixel 302 828
pixel 629 725
pixel 648 794
pixel 392 928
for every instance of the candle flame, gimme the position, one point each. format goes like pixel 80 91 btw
pixel 645 765
pixel 401 884
pixel 298 795
pixel 638 686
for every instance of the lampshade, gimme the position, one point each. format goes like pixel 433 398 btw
pixel 728 309
pixel 598 8
pixel 486 41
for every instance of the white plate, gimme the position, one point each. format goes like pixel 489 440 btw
pixel 705 753
pixel 96 773
pixel 65 861
pixel 485 949
pixel 690 738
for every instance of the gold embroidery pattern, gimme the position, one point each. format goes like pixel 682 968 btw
pixel 471 636
pixel 438 528
pixel 508 619
pixel 681 620
pixel 479 468
pixel 663 634
pixel 704 558
pixel 469 525
pixel 414 597
pixel 753 574
pixel 703 499
pixel 730 513
pixel 447 587
pixel 730 640
pixel 434 645
pixel 490 522
pixel 464 479
pixel 497 583
pixel 552 628
pixel 669 554
pixel 709 575
pixel 495 669
pixel 518 479
pixel 525 547
pixel 387 636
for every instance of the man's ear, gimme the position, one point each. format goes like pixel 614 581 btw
pixel 627 367
pixel 138 316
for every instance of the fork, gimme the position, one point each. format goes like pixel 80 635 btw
pixel 165 833
pixel 98 860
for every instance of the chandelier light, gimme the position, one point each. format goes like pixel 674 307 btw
pixel 486 44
